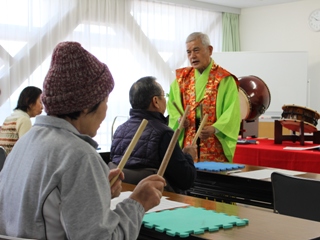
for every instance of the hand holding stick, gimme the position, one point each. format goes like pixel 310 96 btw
pixel 130 148
pixel 203 122
pixel 172 144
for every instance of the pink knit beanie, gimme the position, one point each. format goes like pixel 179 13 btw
pixel 76 80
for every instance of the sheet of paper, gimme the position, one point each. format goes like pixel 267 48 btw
pixel 164 203
pixel 115 201
pixel 302 148
pixel 265 173
pixel 167 204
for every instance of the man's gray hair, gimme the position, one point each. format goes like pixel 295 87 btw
pixel 142 92
pixel 194 36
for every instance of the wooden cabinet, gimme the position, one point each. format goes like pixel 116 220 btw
pixel 266 129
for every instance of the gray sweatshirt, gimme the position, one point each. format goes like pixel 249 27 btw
pixel 54 185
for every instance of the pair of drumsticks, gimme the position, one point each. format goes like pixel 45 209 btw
pixel 203 119
pixel 170 148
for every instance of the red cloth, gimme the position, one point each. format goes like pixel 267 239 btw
pixel 268 154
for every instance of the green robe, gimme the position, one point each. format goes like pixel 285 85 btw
pixel 227 110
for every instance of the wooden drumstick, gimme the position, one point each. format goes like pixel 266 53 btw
pixel 203 122
pixel 178 109
pixel 172 144
pixel 130 148
pixel 197 104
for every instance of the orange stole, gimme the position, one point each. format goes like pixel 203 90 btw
pixel 210 149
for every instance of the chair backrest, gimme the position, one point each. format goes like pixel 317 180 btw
pixel 134 176
pixel 3 155
pixel 297 197
pixel 105 156
pixel 117 121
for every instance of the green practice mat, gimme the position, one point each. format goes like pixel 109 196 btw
pixel 191 220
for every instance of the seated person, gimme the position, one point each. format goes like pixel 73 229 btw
pixel 148 102
pixel 18 123
pixel 54 184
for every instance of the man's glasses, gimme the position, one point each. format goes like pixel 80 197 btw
pixel 166 95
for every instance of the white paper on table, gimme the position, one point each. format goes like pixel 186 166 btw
pixel 301 148
pixel 164 203
pixel 265 173
pixel 122 196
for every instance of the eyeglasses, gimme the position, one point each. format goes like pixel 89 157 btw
pixel 163 95
pixel 166 95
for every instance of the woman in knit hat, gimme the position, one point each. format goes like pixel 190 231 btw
pixel 54 184
pixel 18 123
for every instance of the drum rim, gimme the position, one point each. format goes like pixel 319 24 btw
pixel 249 103
pixel 298 106
pixel 298 121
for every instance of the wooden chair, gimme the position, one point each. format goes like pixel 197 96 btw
pixel 3 155
pixel 295 196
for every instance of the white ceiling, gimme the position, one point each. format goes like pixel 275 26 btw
pixel 246 3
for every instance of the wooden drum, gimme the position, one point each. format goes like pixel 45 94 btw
pixel 254 96
pixel 293 115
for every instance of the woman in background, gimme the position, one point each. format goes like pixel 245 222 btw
pixel 18 123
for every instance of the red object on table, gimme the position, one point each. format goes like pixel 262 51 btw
pixel 268 154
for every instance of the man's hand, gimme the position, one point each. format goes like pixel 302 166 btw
pixel 116 187
pixel 192 150
pixel 207 131
pixel 186 123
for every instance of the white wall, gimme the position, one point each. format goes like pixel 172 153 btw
pixel 284 27
pixel 254 63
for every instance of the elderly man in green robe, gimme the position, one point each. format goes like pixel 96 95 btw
pixel 208 89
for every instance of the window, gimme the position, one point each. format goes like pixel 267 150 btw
pixel 134 38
